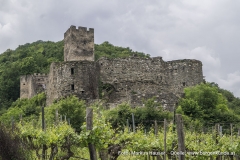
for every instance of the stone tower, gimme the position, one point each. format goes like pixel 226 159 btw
pixel 78 75
pixel 26 86
pixel 30 85
pixel 79 44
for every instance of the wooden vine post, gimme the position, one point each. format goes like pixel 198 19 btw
pixel 165 139
pixel 180 133
pixel 89 120
pixel 44 147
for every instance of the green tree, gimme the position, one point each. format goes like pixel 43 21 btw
pixel 151 111
pixel 118 116
pixel 28 108
pixel 205 102
pixel 26 59
pixel 28 66
pixel 191 108
pixel 71 107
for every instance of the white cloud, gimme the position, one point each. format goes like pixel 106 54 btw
pixel 204 54
pixel 230 81
pixel 207 56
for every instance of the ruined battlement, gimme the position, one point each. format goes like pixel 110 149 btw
pixel 81 30
pixel 30 85
pixel 79 44
pixel 117 80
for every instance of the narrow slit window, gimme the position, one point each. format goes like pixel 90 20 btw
pixel 184 83
pixel 72 87
pixel 72 71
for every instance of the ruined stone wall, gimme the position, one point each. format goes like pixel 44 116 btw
pixel 79 44
pixel 183 73
pixel 131 79
pixel 25 86
pixel 135 79
pixel 132 76
pixel 30 85
pixel 52 84
pixel 78 78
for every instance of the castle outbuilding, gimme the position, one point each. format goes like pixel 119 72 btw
pixel 115 80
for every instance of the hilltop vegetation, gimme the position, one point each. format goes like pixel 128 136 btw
pixel 207 104
pixel 36 58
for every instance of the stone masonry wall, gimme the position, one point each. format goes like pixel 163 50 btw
pixel 183 73
pixel 132 76
pixel 78 78
pixel 79 44
pixel 30 85
pixel 130 79
pixel 26 86
pixel 117 80
pixel 135 79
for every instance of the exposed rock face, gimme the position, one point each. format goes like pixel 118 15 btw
pixel 115 80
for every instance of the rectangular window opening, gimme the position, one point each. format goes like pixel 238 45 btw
pixel 72 71
pixel 72 87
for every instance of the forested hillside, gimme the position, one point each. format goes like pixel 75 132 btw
pixel 36 58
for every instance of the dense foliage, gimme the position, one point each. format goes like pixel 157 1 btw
pixel 71 108
pixel 12 146
pixel 207 104
pixel 110 51
pixel 62 142
pixel 145 116
pixel 28 109
pixel 26 59
pixel 36 58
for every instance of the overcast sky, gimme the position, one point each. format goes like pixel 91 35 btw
pixel 207 30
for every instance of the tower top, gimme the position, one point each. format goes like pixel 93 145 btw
pixel 79 44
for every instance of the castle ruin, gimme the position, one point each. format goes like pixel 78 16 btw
pixel 114 80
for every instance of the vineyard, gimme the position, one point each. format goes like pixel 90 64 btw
pixel 61 141
pixel 202 127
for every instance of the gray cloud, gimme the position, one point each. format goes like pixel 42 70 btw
pixel 178 29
